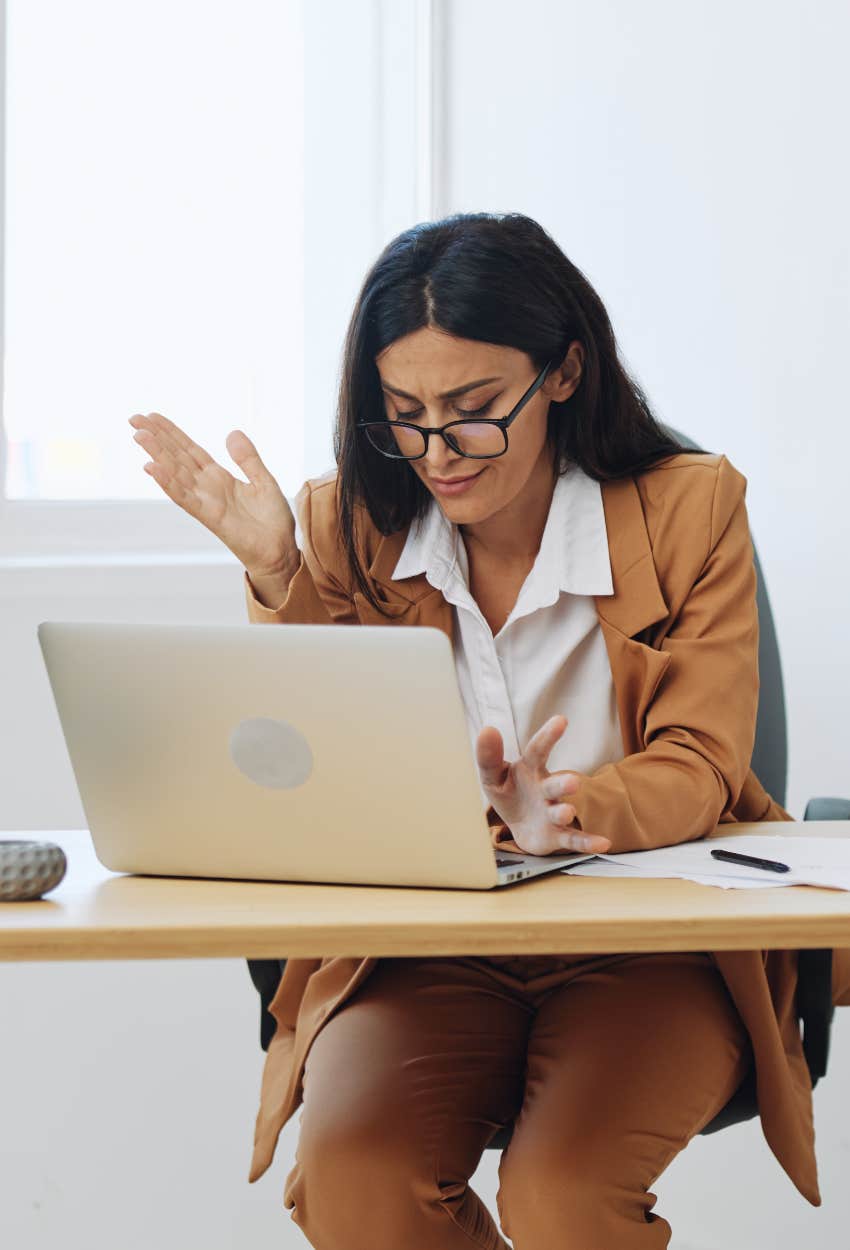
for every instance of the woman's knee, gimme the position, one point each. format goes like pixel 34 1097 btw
pixel 357 1135
pixel 572 1198
pixel 348 1174
pixel 561 1176
pixel 363 1185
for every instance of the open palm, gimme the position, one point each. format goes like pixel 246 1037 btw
pixel 527 796
pixel 252 519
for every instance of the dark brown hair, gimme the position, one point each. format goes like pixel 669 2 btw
pixel 495 278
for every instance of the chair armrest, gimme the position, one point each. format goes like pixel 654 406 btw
pixel 815 1007
pixel 827 809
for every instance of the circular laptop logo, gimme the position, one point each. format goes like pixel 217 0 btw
pixel 271 753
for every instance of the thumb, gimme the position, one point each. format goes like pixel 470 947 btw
pixel 245 454
pixel 489 751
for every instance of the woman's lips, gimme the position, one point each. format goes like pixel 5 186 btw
pixel 457 485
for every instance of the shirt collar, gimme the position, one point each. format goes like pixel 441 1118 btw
pixel 573 553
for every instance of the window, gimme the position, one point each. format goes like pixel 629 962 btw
pixel 179 175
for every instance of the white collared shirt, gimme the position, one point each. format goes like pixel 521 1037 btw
pixel 549 657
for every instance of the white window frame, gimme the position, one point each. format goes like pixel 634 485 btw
pixel 407 108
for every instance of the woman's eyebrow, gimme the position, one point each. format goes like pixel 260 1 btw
pixel 452 394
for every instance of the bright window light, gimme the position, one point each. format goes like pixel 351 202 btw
pixel 154 237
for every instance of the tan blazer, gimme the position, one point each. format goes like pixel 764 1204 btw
pixel 681 630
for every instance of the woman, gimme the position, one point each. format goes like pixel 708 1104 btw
pixel 500 476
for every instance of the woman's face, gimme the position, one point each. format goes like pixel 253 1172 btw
pixel 488 380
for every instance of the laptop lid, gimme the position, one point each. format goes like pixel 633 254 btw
pixel 299 753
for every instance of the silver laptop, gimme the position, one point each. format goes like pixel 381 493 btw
pixel 287 753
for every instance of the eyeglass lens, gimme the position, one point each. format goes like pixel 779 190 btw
pixel 469 438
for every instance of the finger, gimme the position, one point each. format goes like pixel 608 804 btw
pixel 177 439
pixel 589 843
pixel 243 451
pixel 164 459
pixel 540 745
pixel 156 438
pixel 173 488
pixel 559 784
pixel 489 751
pixel 561 813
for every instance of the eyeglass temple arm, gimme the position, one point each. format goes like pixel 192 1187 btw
pixel 504 422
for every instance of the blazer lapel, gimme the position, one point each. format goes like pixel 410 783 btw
pixel 637 601
pixel 413 601
pixel 636 604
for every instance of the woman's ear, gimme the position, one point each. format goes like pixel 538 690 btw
pixel 562 381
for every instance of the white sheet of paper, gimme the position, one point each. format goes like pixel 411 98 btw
pixel 813 861
pixel 604 868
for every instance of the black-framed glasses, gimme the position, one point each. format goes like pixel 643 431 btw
pixel 479 438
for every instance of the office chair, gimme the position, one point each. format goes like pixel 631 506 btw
pixel 769 763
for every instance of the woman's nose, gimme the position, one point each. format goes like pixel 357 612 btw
pixel 439 457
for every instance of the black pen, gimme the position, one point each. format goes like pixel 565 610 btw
pixel 733 857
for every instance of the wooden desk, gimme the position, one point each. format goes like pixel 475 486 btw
pixel 97 914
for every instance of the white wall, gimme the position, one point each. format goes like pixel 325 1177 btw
pixel 688 159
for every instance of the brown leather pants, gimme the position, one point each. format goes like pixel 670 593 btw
pixel 607 1064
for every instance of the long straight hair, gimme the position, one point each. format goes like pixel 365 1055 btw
pixel 495 278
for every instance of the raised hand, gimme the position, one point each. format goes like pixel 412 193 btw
pixel 527 797
pixel 252 519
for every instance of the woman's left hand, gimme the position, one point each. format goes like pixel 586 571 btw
pixel 527 796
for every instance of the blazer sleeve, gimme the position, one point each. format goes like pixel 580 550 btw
pixel 699 727
pixel 315 596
